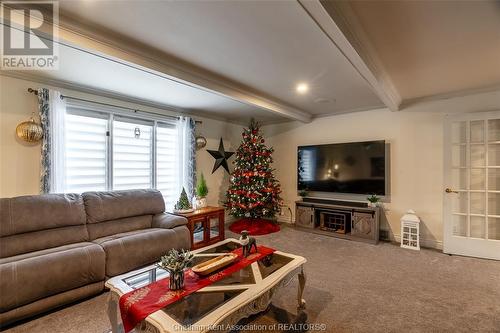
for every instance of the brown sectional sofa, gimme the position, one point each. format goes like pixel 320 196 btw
pixel 58 248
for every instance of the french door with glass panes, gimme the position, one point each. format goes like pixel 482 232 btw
pixel 472 185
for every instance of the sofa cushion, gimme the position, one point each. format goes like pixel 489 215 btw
pixel 168 221
pixel 39 212
pixel 32 223
pixel 140 247
pixel 40 240
pixel 103 229
pixel 49 303
pixel 106 206
pixel 32 276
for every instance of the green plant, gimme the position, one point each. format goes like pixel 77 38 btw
pixel 303 193
pixel 201 187
pixel 183 202
pixel 175 261
pixel 373 198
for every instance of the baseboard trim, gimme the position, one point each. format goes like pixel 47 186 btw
pixel 284 219
pixel 426 243
pixel 281 219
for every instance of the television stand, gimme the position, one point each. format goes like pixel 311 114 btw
pixel 343 219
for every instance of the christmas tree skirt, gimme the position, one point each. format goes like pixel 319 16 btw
pixel 254 226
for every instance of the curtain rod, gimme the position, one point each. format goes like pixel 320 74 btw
pixel 34 91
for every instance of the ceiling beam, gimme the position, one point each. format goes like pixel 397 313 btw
pixel 169 68
pixel 339 24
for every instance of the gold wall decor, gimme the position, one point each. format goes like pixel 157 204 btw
pixel 29 131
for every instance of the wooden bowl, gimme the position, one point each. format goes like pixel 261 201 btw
pixel 210 266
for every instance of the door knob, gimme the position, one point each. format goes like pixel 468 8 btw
pixel 449 190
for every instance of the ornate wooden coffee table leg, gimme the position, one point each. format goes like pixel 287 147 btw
pixel 302 284
pixel 113 313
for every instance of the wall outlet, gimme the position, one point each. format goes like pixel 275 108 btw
pixel 284 209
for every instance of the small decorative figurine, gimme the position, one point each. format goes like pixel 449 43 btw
pixel 247 243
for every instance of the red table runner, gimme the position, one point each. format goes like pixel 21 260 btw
pixel 136 305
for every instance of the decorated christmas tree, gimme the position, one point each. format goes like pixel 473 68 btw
pixel 253 192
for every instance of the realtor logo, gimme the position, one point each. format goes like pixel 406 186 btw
pixel 29 34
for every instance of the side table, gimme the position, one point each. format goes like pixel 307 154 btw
pixel 206 226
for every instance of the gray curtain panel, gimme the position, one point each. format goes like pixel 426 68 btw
pixel 192 157
pixel 43 111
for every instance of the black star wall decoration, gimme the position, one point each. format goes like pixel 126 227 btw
pixel 221 156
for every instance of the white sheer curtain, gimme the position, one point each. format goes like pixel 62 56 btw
pixel 186 155
pixel 57 128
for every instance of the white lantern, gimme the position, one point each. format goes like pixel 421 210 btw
pixel 410 231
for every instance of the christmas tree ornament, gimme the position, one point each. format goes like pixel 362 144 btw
pixel 201 142
pixel 30 131
pixel 221 156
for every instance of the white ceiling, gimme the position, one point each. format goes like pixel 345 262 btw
pixel 234 60
pixel 90 71
pixel 267 47
pixel 434 47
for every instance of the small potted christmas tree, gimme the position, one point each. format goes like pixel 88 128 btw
pixel 183 205
pixel 201 192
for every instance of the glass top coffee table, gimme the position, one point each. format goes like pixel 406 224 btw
pixel 221 304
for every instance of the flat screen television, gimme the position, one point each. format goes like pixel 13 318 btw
pixel 355 168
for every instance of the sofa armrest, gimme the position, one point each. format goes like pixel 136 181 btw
pixel 168 221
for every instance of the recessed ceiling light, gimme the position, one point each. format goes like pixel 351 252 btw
pixel 302 88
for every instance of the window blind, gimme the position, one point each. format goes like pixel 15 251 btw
pixel 167 164
pixel 132 155
pixel 86 153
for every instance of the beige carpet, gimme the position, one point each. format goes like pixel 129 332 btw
pixel 353 287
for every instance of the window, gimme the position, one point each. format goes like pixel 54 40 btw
pixel 107 150
pixel 167 166
pixel 86 153
pixel 132 154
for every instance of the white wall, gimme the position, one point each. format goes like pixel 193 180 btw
pixel 20 162
pixel 416 138
pixel 416 143
pixel 217 182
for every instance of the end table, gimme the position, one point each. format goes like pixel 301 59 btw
pixel 206 226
